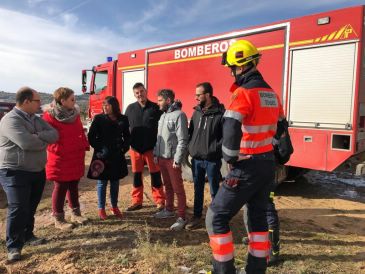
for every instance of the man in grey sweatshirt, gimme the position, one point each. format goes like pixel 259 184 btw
pixel 24 138
pixel 169 151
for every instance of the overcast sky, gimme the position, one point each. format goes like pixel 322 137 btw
pixel 46 43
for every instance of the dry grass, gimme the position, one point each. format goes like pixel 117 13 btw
pixel 142 244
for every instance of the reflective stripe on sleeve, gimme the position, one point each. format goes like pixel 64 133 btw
pixel 234 115
pixel 259 129
pixel 230 152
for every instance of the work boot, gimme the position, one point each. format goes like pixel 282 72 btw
pixel 275 246
pixel 76 216
pixel 102 214
pixel 60 222
pixel 116 212
pixel 134 207
pixel 194 223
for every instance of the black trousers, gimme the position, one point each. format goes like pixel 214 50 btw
pixel 24 191
pixel 254 179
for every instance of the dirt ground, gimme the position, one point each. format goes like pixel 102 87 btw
pixel 321 232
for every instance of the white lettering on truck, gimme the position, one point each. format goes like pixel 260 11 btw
pixel 200 50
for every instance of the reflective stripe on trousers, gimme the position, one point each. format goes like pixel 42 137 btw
pixel 222 246
pixel 259 244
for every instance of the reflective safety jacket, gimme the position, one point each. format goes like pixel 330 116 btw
pixel 250 121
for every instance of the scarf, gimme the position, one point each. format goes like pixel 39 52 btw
pixel 62 114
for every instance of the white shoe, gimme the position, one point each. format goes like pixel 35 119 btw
pixel 163 214
pixel 179 224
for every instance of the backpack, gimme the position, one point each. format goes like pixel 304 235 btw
pixel 282 144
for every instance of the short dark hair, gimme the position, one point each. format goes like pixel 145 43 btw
pixel 138 85
pixel 111 100
pixel 207 87
pixel 24 93
pixel 166 93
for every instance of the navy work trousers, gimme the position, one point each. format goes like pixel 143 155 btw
pixel 23 191
pixel 254 179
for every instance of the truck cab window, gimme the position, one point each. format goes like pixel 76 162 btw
pixel 101 81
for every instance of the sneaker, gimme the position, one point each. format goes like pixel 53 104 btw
pixel 34 241
pixel 116 212
pixel 14 255
pixel 160 207
pixel 179 224
pixel 102 214
pixel 134 207
pixel 163 214
pixel 194 223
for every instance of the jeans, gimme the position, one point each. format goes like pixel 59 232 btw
pixel 114 192
pixel 199 169
pixel 23 191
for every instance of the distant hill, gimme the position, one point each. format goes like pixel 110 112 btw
pixel 46 98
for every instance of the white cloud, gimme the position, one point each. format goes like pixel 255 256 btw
pixel 69 19
pixel 41 54
pixel 156 11
pixel 33 3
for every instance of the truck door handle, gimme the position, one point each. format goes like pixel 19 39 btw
pixel 308 139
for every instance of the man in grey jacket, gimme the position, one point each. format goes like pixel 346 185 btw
pixel 169 152
pixel 23 141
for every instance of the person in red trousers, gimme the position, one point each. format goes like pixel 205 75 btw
pixel 65 164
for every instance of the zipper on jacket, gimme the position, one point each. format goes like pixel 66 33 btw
pixel 159 145
pixel 200 120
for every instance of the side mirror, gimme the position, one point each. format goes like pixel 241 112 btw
pixel 83 81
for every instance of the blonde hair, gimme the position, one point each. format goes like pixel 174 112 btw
pixel 62 93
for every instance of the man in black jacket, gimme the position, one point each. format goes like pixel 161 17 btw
pixel 143 117
pixel 205 146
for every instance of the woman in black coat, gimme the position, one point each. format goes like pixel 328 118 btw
pixel 109 136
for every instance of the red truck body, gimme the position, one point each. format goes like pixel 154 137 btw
pixel 5 107
pixel 315 63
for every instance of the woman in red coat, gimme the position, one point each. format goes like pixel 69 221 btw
pixel 65 165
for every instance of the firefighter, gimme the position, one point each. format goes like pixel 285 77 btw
pixel 249 125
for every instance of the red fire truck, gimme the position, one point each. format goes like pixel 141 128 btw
pixel 315 63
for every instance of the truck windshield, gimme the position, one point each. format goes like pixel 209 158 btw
pixel 101 80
